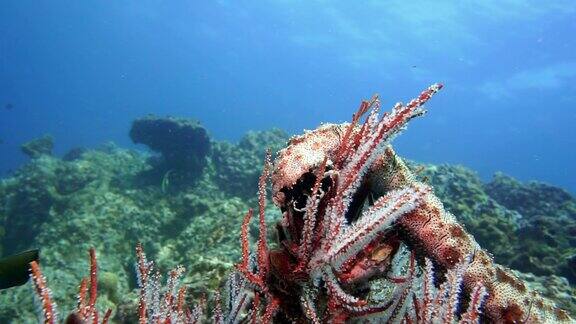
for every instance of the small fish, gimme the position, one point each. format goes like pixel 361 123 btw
pixel 166 181
pixel 419 169
pixel 8 106
pixel 15 269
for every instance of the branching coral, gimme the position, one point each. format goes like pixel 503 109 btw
pixel 85 311
pixel 350 205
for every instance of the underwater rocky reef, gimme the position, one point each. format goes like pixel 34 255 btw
pixel 182 143
pixel 105 198
pixel 111 198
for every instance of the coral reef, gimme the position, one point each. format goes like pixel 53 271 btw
pixel 238 166
pixel 547 234
pixel 531 199
pixel 462 193
pixel 529 227
pixel 183 143
pixel 62 223
pixel 346 247
pixel 95 199
pixel 554 287
pixel 74 154
pixel 38 147
pixel 45 205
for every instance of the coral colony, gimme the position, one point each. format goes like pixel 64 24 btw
pixel 360 240
pixel 85 312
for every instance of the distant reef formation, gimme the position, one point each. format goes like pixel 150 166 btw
pixel 39 146
pixel 97 198
pixel 183 145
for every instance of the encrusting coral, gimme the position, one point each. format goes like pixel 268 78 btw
pixel 359 239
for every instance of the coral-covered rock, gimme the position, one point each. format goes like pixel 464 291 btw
pixel 28 197
pixel 183 143
pixel 531 199
pixel 547 236
pixel 74 154
pixel 238 166
pixel 65 207
pixel 554 287
pixel 351 220
pixel 529 227
pixel 462 193
pixel 38 147
pixel 91 200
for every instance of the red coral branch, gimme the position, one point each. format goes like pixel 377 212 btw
pixel 85 311
pixel 310 217
pixel 93 282
pixel 143 273
pixel 83 290
pixel 163 303
pixel 107 316
pixel 245 242
pixel 262 240
pixel 43 293
pixel 477 297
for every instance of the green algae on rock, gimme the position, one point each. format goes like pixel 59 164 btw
pixel 547 237
pixel 238 166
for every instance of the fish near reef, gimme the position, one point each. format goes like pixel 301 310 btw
pixel 15 269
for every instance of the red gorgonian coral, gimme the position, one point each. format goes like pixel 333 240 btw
pixel 85 311
pixel 361 240
pixel 336 240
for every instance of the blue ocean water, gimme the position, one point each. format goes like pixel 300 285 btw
pixel 83 70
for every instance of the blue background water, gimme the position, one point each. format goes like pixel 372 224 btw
pixel 83 70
